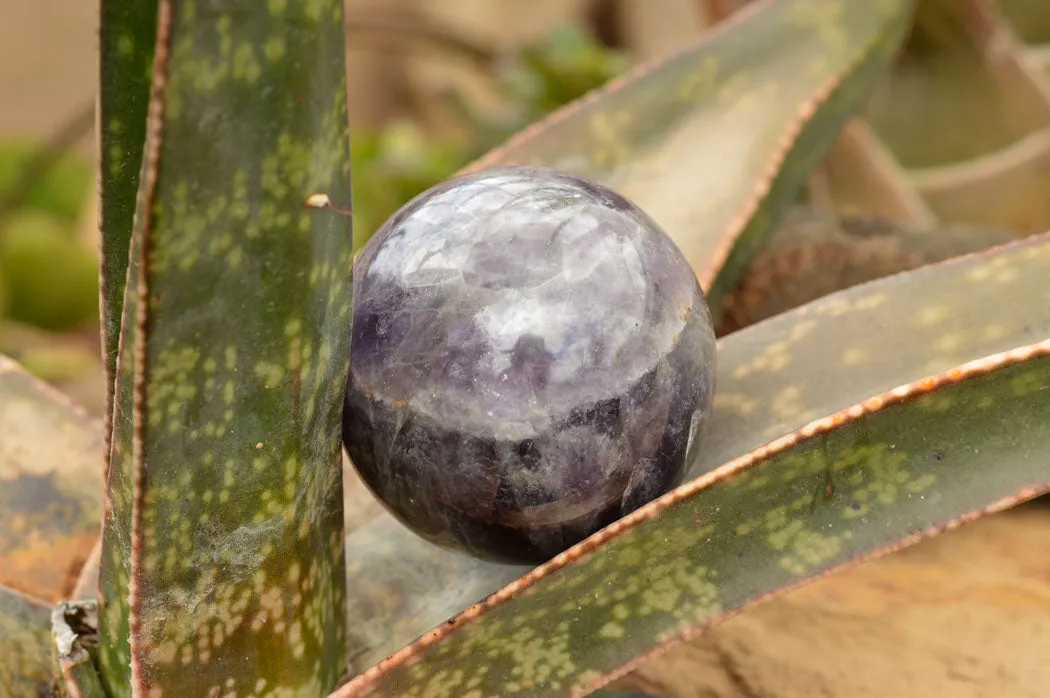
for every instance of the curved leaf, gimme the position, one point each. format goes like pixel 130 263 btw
pixel 127 33
pixel 779 375
pixel 50 499
pixel 795 414
pixel 1030 19
pixel 399 586
pixel 789 517
pixel 222 564
pixel 25 666
pixel 714 141
pixel 1006 188
pixel 961 58
pixel 810 256
pixel 987 169
pixel 864 179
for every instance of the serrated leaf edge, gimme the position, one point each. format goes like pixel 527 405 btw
pixel 998 505
pixel 774 163
pixel 9 365
pixel 594 544
pixel 148 185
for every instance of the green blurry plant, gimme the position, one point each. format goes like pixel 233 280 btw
pixel 57 183
pixel 400 160
pixel 871 416
pixel 48 277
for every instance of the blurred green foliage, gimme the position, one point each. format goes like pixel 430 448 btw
pixel 395 163
pixel 565 65
pixel 392 165
pixel 49 277
pixel 62 190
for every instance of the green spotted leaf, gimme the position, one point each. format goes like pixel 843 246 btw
pixel 729 540
pixel 25 667
pixel 127 34
pixel 813 460
pixel 716 140
pixel 222 569
pixel 779 375
pixel 51 459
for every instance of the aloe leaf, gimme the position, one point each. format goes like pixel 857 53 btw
pixel 989 169
pixel 222 565
pixel 1029 18
pixel 789 370
pixel 25 668
pixel 114 578
pixel 1005 188
pixel 399 586
pixel 788 518
pixel 74 637
pixel 714 141
pixel 127 34
pixel 810 256
pixel 961 57
pixel 50 498
pixel 865 179
pixel 842 355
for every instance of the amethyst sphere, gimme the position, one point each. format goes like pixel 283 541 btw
pixel 532 358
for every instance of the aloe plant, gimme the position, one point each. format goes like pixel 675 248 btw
pixel 871 416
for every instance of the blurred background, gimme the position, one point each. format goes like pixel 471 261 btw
pixel 957 134
pixel 955 139
pixel 432 85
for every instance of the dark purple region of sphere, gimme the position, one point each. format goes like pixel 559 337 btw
pixel 532 358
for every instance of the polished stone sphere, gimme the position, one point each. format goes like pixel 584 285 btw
pixel 531 359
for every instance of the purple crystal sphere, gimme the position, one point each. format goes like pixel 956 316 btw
pixel 532 358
